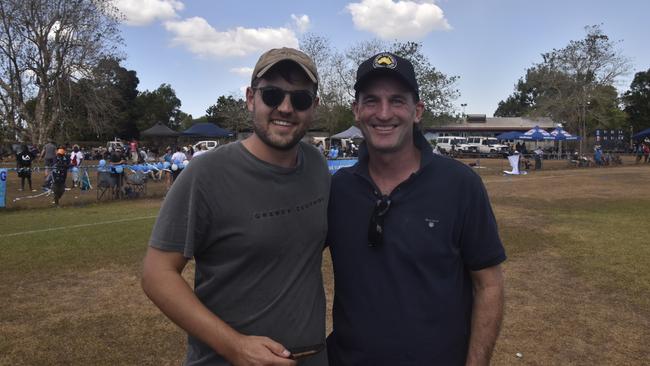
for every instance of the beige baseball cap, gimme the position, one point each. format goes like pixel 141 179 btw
pixel 275 55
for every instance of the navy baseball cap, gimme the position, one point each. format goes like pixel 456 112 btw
pixel 387 63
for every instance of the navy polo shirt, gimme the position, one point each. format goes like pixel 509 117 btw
pixel 409 300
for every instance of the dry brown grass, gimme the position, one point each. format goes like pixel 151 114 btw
pixel 558 312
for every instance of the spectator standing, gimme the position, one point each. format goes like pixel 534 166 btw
pixel 59 174
pixel 199 151
pixel 49 156
pixel 133 151
pixel 638 152
pixel 179 156
pixel 117 170
pixel 539 155
pixel 24 160
pixel 76 157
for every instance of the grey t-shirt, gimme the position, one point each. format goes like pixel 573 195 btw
pixel 50 151
pixel 256 232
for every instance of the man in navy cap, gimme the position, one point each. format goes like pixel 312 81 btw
pixel 414 241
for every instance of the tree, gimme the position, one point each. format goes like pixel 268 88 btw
pixel 45 47
pixel 637 101
pixel 116 88
pixel 160 105
pixel 573 85
pixel 229 113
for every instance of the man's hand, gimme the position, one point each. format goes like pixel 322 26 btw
pixel 163 283
pixel 254 350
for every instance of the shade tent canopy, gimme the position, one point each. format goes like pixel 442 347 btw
pixel 512 135
pixel 642 134
pixel 559 134
pixel 351 133
pixel 207 129
pixel 160 130
pixel 535 134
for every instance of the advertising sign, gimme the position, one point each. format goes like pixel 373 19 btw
pixel 3 186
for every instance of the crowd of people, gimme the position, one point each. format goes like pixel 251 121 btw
pixel 56 165
pixel 642 151
pixel 60 159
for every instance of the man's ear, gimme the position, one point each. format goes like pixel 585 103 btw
pixel 355 112
pixel 419 111
pixel 250 98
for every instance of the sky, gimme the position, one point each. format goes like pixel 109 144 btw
pixel 207 48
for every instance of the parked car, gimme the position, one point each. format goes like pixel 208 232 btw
pixel 209 144
pixel 449 144
pixel 485 145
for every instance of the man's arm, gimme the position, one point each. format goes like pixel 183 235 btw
pixel 164 285
pixel 487 313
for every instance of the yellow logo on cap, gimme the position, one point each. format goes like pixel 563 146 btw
pixel 384 60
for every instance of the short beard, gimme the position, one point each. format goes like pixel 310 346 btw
pixel 263 135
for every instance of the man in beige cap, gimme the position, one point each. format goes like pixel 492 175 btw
pixel 252 214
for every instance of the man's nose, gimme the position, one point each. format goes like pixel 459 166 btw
pixel 285 106
pixel 385 111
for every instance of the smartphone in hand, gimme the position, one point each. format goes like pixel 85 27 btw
pixel 298 353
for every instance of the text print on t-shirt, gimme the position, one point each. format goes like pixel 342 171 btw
pixel 289 210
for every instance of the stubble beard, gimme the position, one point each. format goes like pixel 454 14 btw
pixel 278 143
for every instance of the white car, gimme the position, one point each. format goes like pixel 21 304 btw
pixel 485 145
pixel 447 144
pixel 209 145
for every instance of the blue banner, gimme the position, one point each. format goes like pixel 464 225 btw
pixel 335 165
pixel 3 187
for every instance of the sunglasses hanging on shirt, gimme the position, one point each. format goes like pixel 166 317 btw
pixel 376 227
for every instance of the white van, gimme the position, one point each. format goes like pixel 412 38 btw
pixel 486 145
pixel 447 144
pixel 210 144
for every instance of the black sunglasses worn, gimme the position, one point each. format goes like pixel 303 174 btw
pixel 273 96
pixel 376 227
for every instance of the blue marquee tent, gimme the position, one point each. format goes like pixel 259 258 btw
pixel 207 129
pixel 512 135
pixel 560 134
pixel 642 134
pixel 535 134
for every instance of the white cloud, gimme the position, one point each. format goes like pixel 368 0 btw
pixel 204 40
pixel 143 12
pixel 390 19
pixel 301 22
pixel 244 71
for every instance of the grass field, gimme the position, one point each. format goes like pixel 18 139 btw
pixel 578 274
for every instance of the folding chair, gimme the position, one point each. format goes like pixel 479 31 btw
pixel 136 183
pixel 106 185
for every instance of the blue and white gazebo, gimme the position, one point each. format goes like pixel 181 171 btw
pixel 560 134
pixel 535 134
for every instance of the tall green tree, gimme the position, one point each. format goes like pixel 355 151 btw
pixel 160 105
pixel 117 88
pixel 637 101
pixel 573 85
pixel 46 46
pixel 230 113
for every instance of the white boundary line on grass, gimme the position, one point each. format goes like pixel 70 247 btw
pixel 76 226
